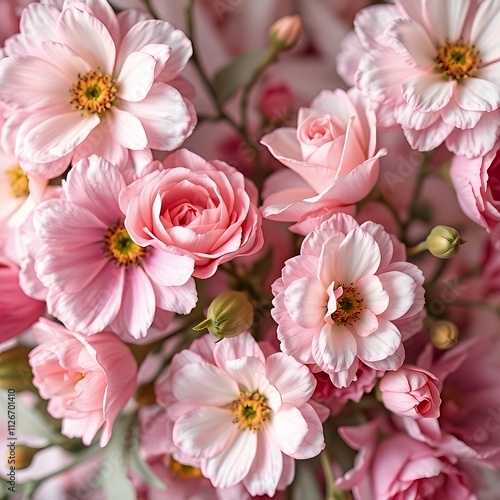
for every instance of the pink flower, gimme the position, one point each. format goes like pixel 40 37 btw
pixel 477 183
pixel 331 157
pixel 399 468
pixel 107 97
pixel 245 415
pixel 411 392
pixel 342 299
pixel 433 68
pixel 205 210
pixel 88 380
pixel 18 310
pixel 96 276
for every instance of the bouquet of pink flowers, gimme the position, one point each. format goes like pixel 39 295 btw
pixel 230 249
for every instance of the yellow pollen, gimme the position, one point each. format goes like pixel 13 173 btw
pixel 349 307
pixel 458 60
pixel 119 247
pixel 18 181
pixel 94 92
pixel 184 471
pixel 250 411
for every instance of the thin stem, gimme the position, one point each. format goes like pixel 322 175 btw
pixel 332 492
pixel 421 247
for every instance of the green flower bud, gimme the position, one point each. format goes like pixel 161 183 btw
pixel 444 242
pixel 228 315
pixel 285 33
pixel 15 371
pixel 443 334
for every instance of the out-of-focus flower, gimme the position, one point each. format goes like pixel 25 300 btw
pixel 340 300
pixel 400 467
pixel 246 415
pixel 331 158
pixel 411 392
pixel 105 98
pixel 97 277
pixel 87 380
pixel 477 183
pixel 205 210
pixel 15 372
pixel 432 67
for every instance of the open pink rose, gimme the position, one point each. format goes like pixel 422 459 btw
pixel 88 380
pixel 331 156
pixel 477 183
pixel 205 210
pixel 411 392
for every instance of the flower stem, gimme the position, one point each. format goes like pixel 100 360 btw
pixel 332 492
pixel 421 247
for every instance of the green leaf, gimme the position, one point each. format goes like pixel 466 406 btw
pixel 141 467
pixel 237 74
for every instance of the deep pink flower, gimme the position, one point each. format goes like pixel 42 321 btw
pixel 433 67
pixel 345 298
pixel 205 210
pixel 244 414
pixel 96 276
pixel 88 380
pixel 90 82
pixel 411 392
pixel 331 156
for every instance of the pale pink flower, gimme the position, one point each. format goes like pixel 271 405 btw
pixel 345 299
pixel 331 156
pixel 411 392
pixel 433 68
pixel 205 210
pixel 87 380
pixel 96 276
pixel 477 183
pixel 244 414
pixel 400 468
pixel 105 88
pixel 18 310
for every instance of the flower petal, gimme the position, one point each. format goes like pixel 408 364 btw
pixel 334 349
pixel 380 344
pixel 305 300
pixel 288 428
pixel 428 92
pixel 136 77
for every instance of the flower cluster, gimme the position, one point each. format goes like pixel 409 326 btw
pixel 224 275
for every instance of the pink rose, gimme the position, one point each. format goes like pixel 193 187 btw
pixel 205 210
pixel 88 380
pixel 477 183
pixel 399 468
pixel 411 392
pixel 331 156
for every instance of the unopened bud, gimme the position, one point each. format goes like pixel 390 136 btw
pixel 15 371
pixel 444 242
pixel 443 334
pixel 20 456
pixel 228 315
pixel 285 33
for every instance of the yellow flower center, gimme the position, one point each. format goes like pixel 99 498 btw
pixel 184 471
pixel 250 411
pixel 119 247
pixel 94 92
pixel 458 60
pixel 349 307
pixel 18 181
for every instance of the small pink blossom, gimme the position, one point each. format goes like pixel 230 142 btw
pixel 87 380
pixel 244 414
pixel 331 158
pixel 90 82
pixel 411 392
pixel 205 210
pixel 432 67
pixel 97 277
pixel 347 297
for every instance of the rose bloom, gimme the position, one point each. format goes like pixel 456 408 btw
pixel 344 299
pixel 205 210
pixel 432 67
pixel 244 414
pixel 411 392
pixel 477 183
pixel 399 468
pixel 87 380
pixel 90 82
pixel 331 158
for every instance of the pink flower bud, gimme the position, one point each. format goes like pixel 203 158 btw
pixel 411 392
pixel 286 32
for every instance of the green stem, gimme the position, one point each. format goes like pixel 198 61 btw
pixel 421 247
pixel 332 492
